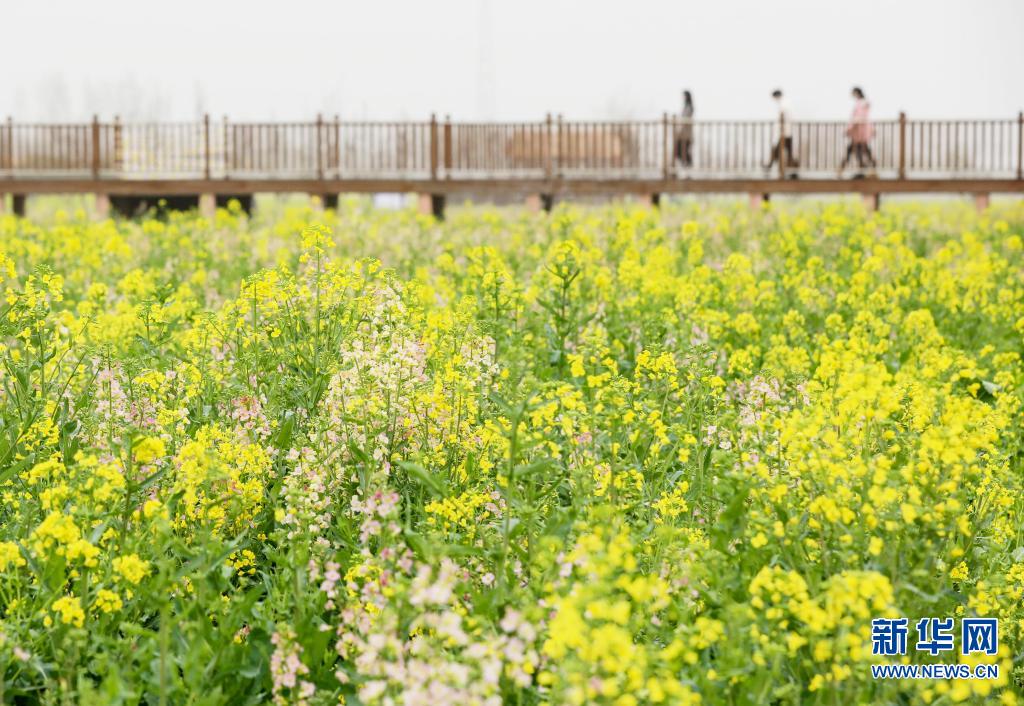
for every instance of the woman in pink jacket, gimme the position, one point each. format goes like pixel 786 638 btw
pixel 860 131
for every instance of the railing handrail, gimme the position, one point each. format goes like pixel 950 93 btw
pixel 488 123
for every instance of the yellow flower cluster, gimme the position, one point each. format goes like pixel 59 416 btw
pixel 603 456
pixel 599 613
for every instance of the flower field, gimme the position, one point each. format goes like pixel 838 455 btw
pixel 603 456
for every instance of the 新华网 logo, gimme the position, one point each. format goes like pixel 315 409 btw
pixel 977 636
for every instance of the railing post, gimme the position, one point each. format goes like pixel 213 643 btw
pixel 95 147
pixel 1020 145
pixel 319 146
pixel 337 145
pixel 118 145
pixel 549 151
pixel 903 146
pixel 560 142
pixel 780 147
pixel 448 146
pixel 227 149
pixel 666 156
pixel 10 144
pixel 434 153
pixel 206 146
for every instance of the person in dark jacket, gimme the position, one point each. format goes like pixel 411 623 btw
pixel 684 133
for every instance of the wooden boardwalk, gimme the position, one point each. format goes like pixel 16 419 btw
pixel 542 160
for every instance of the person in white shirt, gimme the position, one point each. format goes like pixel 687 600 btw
pixel 785 143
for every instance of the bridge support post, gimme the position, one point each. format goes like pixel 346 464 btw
pixel 981 202
pixel 540 202
pixel 322 202
pixel 3 203
pixel 101 207
pixel 208 205
pixel 18 204
pixel 432 204
pixel 872 202
pixel 647 200
pixel 757 201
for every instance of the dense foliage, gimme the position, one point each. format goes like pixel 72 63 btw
pixel 608 455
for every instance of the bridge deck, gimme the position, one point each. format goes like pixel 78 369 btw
pixel 497 185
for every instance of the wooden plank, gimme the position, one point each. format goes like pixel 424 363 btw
pixel 206 146
pixel 319 146
pixel 902 167
pixel 1020 145
pixel 666 150
pixel 95 147
pixel 434 147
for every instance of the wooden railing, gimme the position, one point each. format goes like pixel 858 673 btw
pixel 551 148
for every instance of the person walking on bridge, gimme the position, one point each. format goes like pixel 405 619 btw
pixel 860 131
pixel 684 133
pixel 785 143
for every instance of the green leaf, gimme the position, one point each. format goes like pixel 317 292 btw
pixel 424 477
pixel 284 434
pixel 14 469
pixel 531 469
pixel 418 544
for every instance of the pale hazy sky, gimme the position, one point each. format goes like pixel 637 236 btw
pixel 511 59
